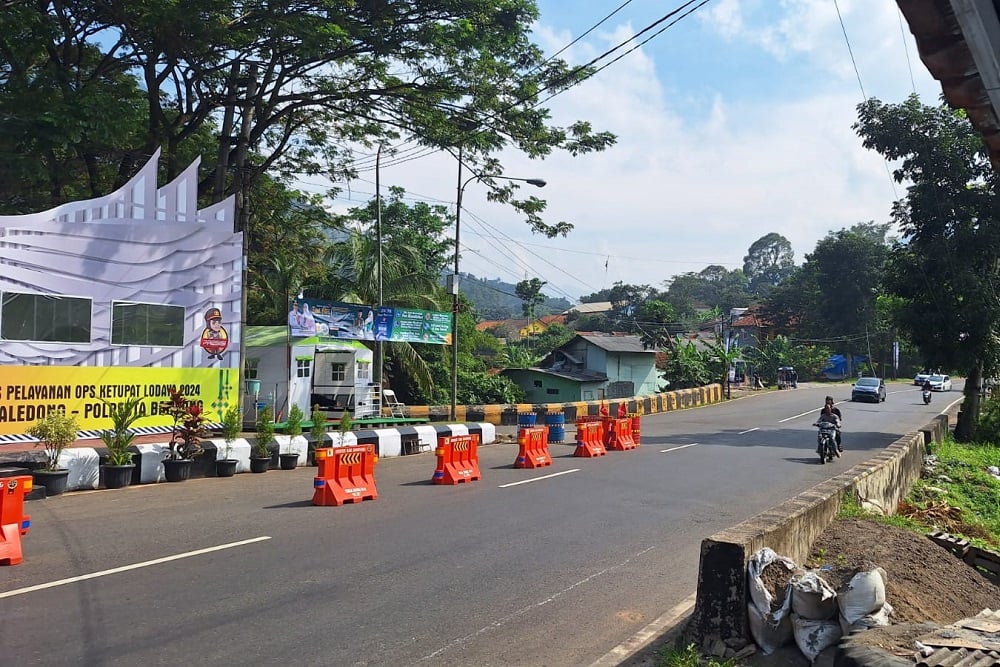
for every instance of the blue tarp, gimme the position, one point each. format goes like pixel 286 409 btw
pixel 838 366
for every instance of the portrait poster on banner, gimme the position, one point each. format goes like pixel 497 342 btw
pixel 349 321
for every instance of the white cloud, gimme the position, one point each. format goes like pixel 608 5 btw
pixel 697 175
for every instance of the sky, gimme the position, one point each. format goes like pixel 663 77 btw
pixel 732 123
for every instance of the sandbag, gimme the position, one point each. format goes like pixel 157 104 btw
pixel 864 594
pixel 881 617
pixel 759 595
pixel 813 636
pixel 769 632
pixel 812 597
pixel 770 623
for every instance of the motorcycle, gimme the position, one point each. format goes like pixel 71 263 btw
pixel 927 396
pixel 826 441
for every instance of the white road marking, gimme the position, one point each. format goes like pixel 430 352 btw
pixel 535 479
pixel 655 629
pixel 674 449
pixel 126 568
pixel 532 607
pixel 802 414
pixel 749 430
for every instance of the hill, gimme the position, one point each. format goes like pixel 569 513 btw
pixel 496 300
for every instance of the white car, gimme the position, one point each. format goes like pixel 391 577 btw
pixel 940 383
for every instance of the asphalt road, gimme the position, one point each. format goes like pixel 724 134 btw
pixel 555 566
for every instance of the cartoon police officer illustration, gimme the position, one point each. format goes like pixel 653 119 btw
pixel 215 338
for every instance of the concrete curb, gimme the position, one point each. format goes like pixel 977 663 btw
pixel 84 463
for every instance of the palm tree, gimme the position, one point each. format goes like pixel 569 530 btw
pixel 352 277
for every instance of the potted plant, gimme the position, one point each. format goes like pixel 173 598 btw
pixel 185 440
pixel 55 432
pixel 290 460
pixel 261 459
pixel 117 439
pixel 232 424
pixel 317 432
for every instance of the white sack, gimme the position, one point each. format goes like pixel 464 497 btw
pixel 813 597
pixel 864 594
pixel 813 636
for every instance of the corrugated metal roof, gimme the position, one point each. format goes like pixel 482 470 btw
pixel 596 307
pixel 616 343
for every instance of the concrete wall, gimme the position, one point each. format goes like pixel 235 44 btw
pixel 791 528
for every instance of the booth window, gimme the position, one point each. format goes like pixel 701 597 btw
pixel 45 318
pixel 364 370
pixel 147 324
pixel 302 367
pixel 552 391
pixel 250 371
pixel 338 372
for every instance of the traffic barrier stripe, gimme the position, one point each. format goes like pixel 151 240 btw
pixel 346 475
pixel 13 521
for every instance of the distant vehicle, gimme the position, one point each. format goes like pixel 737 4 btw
pixel 868 389
pixel 940 383
pixel 920 377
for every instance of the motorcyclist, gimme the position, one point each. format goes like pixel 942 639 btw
pixel 827 416
pixel 824 415
pixel 927 385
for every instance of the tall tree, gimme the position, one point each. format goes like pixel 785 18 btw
pixel 530 294
pixel 945 269
pixel 294 82
pixel 768 262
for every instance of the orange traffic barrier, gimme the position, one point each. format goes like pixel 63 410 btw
pixel 346 475
pixel 636 428
pixel 534 448
pixel 618 434
pixel 589 439
pixel 13 521
pixel 457 459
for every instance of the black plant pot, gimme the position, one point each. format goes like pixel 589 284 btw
pixel 117 477
pixel 225 467
pixel 288 461
pixel 54 481
pixel 177 470
pixel 260 464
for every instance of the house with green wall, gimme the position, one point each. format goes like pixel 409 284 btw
pixel 592 366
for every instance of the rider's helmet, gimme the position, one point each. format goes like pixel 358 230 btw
pixel 829 400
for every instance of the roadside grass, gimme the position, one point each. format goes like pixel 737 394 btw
pixel 959 496
pixel 688 656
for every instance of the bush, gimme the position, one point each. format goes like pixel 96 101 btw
pixel 55 431
pixel 265 432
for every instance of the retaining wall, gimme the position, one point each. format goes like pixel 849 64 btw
pixel 792 527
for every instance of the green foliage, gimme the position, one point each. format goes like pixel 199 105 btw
pixel 686 367
pixel 808 360
pixel 295 417
pixel 688 656
pixel 346 423
pixel 530 294
pixel 55 432
pixel 946 271
pixel 189 426
pixel 317 431
pixel 119 437
pixel 265 432
pixel 768 262
pixel 494 299
pixel 232 423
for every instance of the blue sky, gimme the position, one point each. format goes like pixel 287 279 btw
pixel 731 124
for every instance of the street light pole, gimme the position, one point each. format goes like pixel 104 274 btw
pixel 453 281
